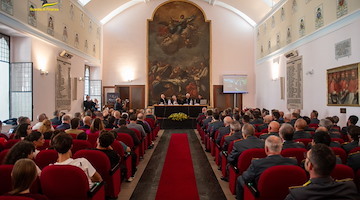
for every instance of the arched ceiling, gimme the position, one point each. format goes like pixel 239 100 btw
pixel 252 11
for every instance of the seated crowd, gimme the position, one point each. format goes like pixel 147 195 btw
pixel 120 136
pixel 317 145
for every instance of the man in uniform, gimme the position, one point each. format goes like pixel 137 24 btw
pixel 320 161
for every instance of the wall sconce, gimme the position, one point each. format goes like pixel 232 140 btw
pixel 44 72
pixel 80 78
pixel 275 69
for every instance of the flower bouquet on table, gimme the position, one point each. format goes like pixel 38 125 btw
pixel 178 116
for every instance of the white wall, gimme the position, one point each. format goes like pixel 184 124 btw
pixel 125 46
pixel 318 55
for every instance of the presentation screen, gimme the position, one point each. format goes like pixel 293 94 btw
pixel 235 83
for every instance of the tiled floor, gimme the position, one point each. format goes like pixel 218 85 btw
pixel 209 184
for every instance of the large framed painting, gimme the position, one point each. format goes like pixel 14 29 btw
pixel 178 52
pixel 343 85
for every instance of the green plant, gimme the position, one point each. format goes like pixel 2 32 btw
pixel 178 116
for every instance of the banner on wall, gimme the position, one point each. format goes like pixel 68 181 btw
pixel 63 86
pixel 294 83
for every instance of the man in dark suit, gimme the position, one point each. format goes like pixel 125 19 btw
pixel 124 129
pixel 215 124
pixel 188 100
pixel 320 162
pixel 286 134
pixel 235 134
pixel 163 100
pixel 314 117
pixel 273 146
pixel 354 133
pixel 224 130
pixel 300 133
pixel 249 142
pixel 65 123
pixel 273 129
pixel 267 120
pixel 208 119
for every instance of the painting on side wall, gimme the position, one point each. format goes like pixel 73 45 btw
pixel 63 86
pixel 50 27
pixel 343 85
pixel 319 16
pixel 341 8
pixel 178 52
pixel 32 18
pixel 7 6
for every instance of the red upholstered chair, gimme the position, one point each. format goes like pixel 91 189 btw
pixel 304 141
pixel 341 153
pixel 5 183
pixel 73 182
pixel 356 149
pixel 127 139
pixel 3 155
pixel 126 161
pixel 11 143
pixel 224 157
pixel 79 145
pixel 4 136
pixel 101 163
pixel 342 172
pixel 73 135
pixel 92 139
pixel 46 157
pixel 243 164
pixel 45 146
pixel 274 185
pixel 142 146
pixel 15 198
pixel 357 179
pixel 315 126
pixel 213 143
pixel 297 153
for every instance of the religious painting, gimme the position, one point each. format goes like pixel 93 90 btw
pixel 288 35
pixel 76 41
pixel 282 16
pixel 302 27
pixel 319 16
pixel 178 52
pixel 32 18
pixel 65 33
pixel 341 8
pixel 278 44
pixel 7 6
pixel 50 26
pixel 62 86
pixel 343 85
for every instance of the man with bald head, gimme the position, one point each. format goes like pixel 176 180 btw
pixel 224 130
pixel 87 122
pixel 273 146
pixel 40 119
pixel 249 142
pixel 286 133
pixel 267 120
pixel 273 129
pixel 300 133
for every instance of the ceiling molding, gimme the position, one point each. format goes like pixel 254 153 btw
pixel 120 9
pixel 236 11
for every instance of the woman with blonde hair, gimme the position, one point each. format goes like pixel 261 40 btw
pixel 46 129
pixel 23 175
pixel 96 126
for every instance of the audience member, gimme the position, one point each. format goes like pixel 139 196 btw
pixel 104 141
pixel 79 115
pixel 273 146
pixel 208 119
pixel 249 142
pixel 235 134
pixel 96 126
pixel 328 124
pixel 273 129
pixel 87 122
pixel 320 162
pixel 314 117
pixel 124 129
pixel 82 136
pixel 22 131
pixel 46 129
pixel 23 175
pixel 56 120
pixel 136 126
pixel 37 139
pixel 257 118
pixel 215 124
pixel 119 105
pixel 111 123
pixel 65 123
pixel 20 120
pixel 299 133
pixel 245 119
pixel 62 144
pixel 224 130
pixel 276 116
pixel 149 114
pixel 294 117
pixel 354 133
pixel 352 121
pixel 267 120
pixel 40 119
pixel 286 133
pixel 74 124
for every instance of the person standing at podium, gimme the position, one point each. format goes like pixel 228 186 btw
pixel 188 100
pixel 163 100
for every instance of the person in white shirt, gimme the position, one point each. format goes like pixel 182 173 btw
pixel 40 119
pixel 62 144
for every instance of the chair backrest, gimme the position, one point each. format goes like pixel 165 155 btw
pixel 274 184
pixel 45 146
pixel 313 125
pixel 46 157
pixel 92 138
pixel 5 183
pixel 11 143
pixel 304 141
pixel 216 134
pixel 151 122
pixel 339 140
pixel 231 145
pixel 125 138
pixel 4 136
pixel 118 148
pixel 137 132
pixel 341 153
pixel 223 140
pixel 342 172
pixel 247 156
pixel 73 135
pixel 64 182
pixel 356 149
pixel 80 144
pixel 15 198
pixel 298 153
pixel 3 155
pixel 98 160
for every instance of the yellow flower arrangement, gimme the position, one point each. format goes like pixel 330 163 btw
pixel 178 116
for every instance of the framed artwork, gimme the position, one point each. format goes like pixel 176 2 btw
pixel 302 27
pixel 341 8
pixel 178 52
pixel 32 18
pixel 319 16
pixel 63 86
pixel 50 26
pixel 343 85
pixel 7 6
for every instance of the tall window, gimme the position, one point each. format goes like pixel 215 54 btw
pixel 87 81
pixel 92 87
pixel 4 76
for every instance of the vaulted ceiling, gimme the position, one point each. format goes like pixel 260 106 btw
pixel 251 10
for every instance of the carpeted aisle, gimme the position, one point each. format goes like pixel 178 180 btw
pixel 178 179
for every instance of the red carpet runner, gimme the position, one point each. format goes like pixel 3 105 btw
pixel 178 179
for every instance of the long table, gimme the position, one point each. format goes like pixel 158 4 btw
pixel 164 111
